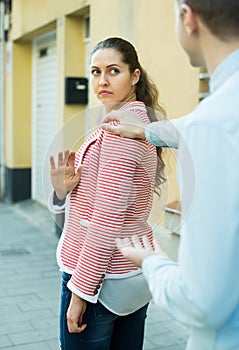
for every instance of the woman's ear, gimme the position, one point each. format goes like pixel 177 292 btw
pixel 135 76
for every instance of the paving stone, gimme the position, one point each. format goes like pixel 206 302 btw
pixel 8 310
pixel 155 328
pixel 53 344
pixel 35 346
pixel 30 305
pixel 166 339
pixel 10 327
pixel 33 336
pixel 46 323
pixel 26 316
pixel 4 341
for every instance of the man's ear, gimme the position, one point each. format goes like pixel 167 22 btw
pixel 189 19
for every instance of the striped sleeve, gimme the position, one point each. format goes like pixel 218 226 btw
pixel 119 158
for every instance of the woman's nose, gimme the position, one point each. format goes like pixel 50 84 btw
pixel 103 80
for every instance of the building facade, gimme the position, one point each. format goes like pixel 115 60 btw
pixel 45 75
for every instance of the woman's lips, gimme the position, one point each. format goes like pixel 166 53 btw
pixel 105 93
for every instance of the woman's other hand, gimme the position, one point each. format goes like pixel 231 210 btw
pixel 63 176
pixel 75 314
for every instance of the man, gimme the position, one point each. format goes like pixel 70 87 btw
pixel 202 289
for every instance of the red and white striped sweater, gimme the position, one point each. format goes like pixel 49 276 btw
pixel 113 199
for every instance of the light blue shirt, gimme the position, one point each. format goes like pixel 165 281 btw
pixel 202 289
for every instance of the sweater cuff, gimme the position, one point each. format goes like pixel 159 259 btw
pixel 92 299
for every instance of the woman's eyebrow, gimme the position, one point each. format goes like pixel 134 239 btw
pixel 108 66
pixel 113 64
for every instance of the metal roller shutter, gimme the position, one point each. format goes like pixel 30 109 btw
pixel 44 121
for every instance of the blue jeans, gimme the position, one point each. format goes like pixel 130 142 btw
pixel 105 330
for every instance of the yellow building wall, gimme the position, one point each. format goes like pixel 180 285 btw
pixel 18 107
pixel 67 19
pixel 29 16
pixel 148 25
pixel 168 66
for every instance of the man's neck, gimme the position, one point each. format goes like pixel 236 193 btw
pixel 215 51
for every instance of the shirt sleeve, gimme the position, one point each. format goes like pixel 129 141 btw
pixel 165 133
pixel 202 290
pixel 119 158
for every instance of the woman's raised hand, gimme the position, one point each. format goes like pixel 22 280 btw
pixel 64 178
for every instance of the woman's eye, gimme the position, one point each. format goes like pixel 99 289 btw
pixel 95 72
pixel 114 71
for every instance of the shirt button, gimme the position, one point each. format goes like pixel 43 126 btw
pixel 95 292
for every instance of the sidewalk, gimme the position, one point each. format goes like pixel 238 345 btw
pixel 30 286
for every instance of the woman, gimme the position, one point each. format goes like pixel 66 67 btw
pixel 106 189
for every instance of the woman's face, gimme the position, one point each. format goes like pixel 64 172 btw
pixel 111 79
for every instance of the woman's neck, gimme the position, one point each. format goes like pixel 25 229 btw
pixel 118 105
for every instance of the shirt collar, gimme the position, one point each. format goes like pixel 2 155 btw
pixel 225 69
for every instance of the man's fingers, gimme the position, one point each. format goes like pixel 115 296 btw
pixel 122 242
pixel 114 129
pixel 112 116
pixel 136 242
pixel 146 243
pixel 158 248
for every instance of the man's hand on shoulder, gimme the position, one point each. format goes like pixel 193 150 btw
pixel 125 124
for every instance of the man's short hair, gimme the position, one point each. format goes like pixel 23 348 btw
pixel 220 16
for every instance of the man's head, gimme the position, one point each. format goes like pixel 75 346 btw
pixel 208 30
pixel 221 17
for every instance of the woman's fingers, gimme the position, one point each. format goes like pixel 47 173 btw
pixel 52 163
pixel 60 158
pixel 71 159
pixel 66 156
pixel 63 159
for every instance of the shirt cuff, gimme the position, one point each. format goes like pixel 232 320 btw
pixel 163 134
pixel 55 205
pixel 154 262
pixel 57 201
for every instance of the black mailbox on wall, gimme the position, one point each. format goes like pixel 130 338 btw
pixel 76 91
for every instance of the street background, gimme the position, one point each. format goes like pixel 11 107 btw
pixel 30 286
